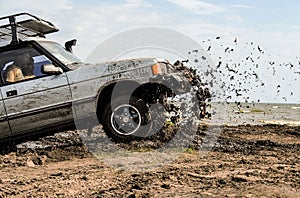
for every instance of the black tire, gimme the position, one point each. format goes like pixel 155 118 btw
pixel 125 120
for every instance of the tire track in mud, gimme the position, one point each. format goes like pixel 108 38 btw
pixel 236 166
pixel 231 139
pixel 247 160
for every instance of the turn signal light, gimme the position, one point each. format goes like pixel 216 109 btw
pixel 157 69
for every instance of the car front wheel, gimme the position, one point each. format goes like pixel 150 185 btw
pixel 125 119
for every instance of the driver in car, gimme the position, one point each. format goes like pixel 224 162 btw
pixel 21 69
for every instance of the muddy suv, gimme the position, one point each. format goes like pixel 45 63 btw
pixel 45 87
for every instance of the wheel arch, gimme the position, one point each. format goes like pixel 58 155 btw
pixel 148 92
pixel 104 94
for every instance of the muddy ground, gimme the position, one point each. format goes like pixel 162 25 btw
pixel 247 161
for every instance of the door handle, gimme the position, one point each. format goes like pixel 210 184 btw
pixel 11 93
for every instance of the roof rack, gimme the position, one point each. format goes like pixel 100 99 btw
pixel 30 27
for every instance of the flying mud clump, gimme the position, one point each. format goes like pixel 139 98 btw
pixel 201 92
pixel 247 72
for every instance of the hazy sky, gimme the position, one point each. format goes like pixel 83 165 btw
pixel 273 25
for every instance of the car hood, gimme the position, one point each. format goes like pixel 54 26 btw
pixel 83 72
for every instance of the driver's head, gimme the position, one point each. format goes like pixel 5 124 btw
pixel 25 62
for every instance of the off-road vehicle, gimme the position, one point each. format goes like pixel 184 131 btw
pixel 45 87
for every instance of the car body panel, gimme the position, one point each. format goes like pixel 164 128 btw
pixel 39 102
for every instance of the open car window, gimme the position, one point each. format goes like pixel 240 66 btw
pixel 21 64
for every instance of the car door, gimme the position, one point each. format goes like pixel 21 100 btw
pixel 4 127
pixel 38 102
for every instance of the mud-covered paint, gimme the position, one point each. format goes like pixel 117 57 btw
pixel 39 102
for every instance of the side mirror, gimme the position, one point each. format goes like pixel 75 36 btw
pixel 51 69
pixel 70 44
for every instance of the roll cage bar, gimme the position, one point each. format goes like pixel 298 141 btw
pixel 32 26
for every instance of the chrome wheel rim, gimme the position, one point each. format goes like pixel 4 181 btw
pixel 126 119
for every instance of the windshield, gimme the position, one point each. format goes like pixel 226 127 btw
pixel 60 53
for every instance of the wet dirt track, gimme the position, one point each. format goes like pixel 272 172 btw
pixel 247 161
